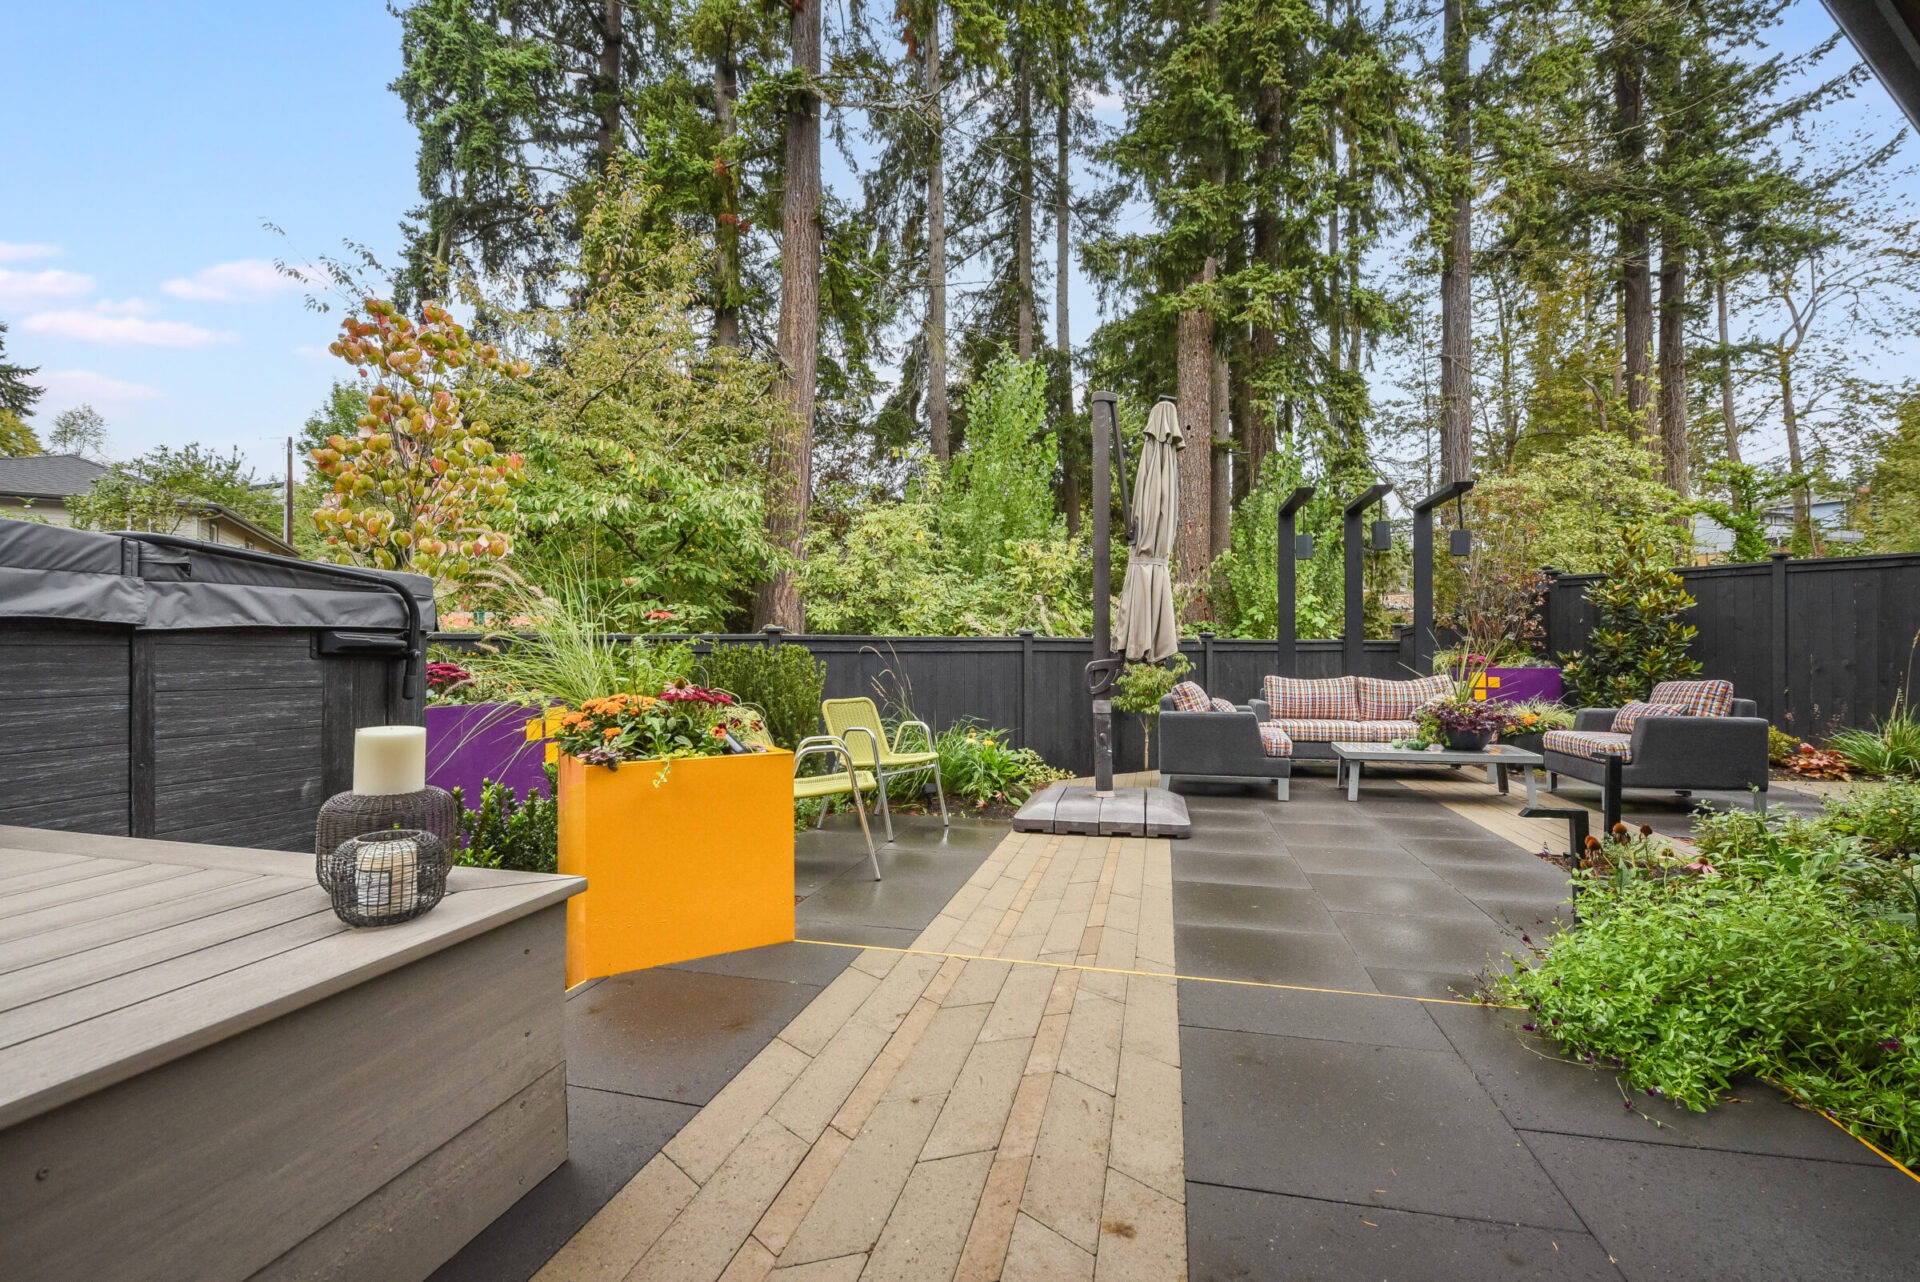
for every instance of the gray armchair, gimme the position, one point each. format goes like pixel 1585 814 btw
pixel 1681 754
pixel 1217 747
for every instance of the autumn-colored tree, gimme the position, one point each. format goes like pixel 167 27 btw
pixel 419 485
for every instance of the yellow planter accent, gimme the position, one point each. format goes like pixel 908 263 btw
pixel 548 728
pixel 698 865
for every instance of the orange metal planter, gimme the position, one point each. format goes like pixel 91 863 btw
pixel 700 864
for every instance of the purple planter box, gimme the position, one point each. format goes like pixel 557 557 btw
pixel 468 744
pixel 1517 685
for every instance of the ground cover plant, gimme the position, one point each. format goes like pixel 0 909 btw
pixel 1786 949
pixel 978 766
pixel 1890 748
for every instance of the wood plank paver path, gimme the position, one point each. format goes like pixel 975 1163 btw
pixel 999 1100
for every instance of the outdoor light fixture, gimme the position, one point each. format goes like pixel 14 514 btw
pixel 1383 536
pixel 1460 542
pixel 1303 547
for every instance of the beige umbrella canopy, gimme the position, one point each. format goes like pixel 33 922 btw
pixel 1148 630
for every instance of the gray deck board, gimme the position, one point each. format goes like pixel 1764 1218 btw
pixel 38 864
pixel 87 884
pixel 221 940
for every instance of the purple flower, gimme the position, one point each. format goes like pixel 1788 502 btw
pixel 1891 1044
pixel 1530 1028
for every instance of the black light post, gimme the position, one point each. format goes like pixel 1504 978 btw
pixel 1356 593
pixel 1424 641
pixel 1287 582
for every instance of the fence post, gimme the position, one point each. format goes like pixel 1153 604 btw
pixel 1546 610
pixel 1206 658
pixel 1026 683
pixel 1780 705
pixel 773 631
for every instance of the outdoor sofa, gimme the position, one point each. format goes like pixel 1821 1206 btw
pixel 1211 740
pixel 1314 714
pixel 1688 736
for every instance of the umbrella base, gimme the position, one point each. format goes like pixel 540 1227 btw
pixel 1127 812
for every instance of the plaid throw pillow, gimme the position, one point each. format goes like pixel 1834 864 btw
pixel 1221 705
pixel 1189 697
pixel 1398 700
pixel 1699 698
pixel 1624 719
pixel 1329 700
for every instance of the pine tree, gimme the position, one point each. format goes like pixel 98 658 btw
pixel 17 395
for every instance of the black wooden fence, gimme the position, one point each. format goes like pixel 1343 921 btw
pixel 1032 686
pixel 1818 643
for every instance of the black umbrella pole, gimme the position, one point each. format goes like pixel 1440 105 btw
pixel 1100 672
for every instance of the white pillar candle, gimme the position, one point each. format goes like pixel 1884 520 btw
pixel 387 877
pixel 389 759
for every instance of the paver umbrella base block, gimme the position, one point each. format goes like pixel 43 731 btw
pixel 1128 812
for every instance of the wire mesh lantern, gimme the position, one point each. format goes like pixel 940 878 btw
pixel 354 814
pixel 385 878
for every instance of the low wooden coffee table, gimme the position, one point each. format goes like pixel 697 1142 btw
pixel 1497 757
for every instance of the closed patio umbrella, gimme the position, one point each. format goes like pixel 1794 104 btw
pixel 1148 631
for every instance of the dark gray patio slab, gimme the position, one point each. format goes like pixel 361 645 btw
pixel 1460 852
pixel 1242 1234
pixel 1230 841
pixel 1424 943
pixel 1455 985
pixel 1537 917
pixel 674 1034
pixel 610 1136
pixel 788 963
pixel 845 932
pixel 1668 1211
pixel 1213 903
pixel 1360 831
pixel 1258 868
pixel 1526 877
pixel 1270 956
pixel 1539 1090
pixel 1283 1012
pixel 1413 896
pixel 1383 860
pixel 1372 1125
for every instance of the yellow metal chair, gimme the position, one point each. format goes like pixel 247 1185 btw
pixel 856 723
pixel 847 781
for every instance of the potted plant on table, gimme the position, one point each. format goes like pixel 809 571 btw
pixel 686 839
pixel 1461 722
pixel 1527 723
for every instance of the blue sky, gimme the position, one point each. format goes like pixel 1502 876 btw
pixel 150 143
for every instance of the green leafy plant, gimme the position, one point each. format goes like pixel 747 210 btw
pixel 681 721
pixel 568 656
pixel 784 682
pixel 1885 818
pixel 1780 746
pixel 1536 716
pixel 1640 637
pixel 1890 748
pixel 978 766
pixel 1138 691
pixel 518 833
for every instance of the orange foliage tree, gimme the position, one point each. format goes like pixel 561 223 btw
pixel 419 485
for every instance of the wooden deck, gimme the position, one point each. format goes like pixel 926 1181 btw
pixel 203 1072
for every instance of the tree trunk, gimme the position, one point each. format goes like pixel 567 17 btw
pixel 1789 418
pixel 1023 228
pixel 726 304
pixel 606 93
pixel 1220 484
pixel 1673 367
pixel 790 467
pixel 936 252
pixel 1062 332
pixel 1731 424
pixel 1636 282
pixel 1193 396
pixel 1244 430
pixel 1456 255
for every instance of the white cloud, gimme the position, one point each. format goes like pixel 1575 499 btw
pixel 15 253
pixel 126 307
pixel 72 386
pixel 27 289
pixel 242 280
pixel 313 353
pixel 121 330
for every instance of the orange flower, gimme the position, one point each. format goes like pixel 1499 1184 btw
pixel 719 732
pixel 611 732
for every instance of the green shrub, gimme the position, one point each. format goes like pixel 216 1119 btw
pixel 522 834
pixel 1892 748
pixel 1139 690
pixel 1689 984
pixel 978 766
pixel 784 682
pixel 1885 817
pixel 1640 637
pixel 1781 746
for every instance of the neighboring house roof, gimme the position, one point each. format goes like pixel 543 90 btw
pixel 48 476
pixel 1887 34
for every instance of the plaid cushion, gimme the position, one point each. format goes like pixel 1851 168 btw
pixel 1397 700
pixel 1329 700
pixel 1590 743
pixel 1699 698
pixel 1321 730
pixel 1274 741
pixel 1221 705
pixel 1623 720
pixel 1188 697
